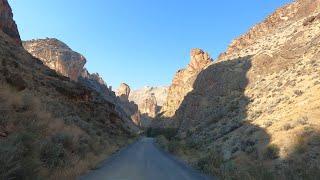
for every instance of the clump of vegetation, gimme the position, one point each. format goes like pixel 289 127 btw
pixel 215 165
pixel 210 163
pixel 168 133
pixel 300 145
pixel 298 92
pixel 271 152
pixel 287 127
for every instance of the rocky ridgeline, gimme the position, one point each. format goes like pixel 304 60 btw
pixel 7 24
pixel 58 56
pixel 183 81
pixel 271 26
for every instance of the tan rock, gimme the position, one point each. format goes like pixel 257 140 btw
pixel 149 99
pixel 57 56
pixel 130 108
pixel 183 81
pixel 123 91
pixel 149 106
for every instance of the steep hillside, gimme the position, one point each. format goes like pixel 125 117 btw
pixel 257 106
pixel 49 126
pixel 61 58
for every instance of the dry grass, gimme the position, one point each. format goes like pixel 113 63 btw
pixel 23 116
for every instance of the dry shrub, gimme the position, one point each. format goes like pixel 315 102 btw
pixel 271 152
pixel 36 142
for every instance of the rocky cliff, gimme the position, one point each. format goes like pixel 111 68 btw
pixel 57 55
pixel 259 102
pixel 129 107
pixel 123 91
pixel 183 81
pixel 7 24
pixel 154 96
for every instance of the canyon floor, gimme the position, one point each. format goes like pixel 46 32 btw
pixel 143 160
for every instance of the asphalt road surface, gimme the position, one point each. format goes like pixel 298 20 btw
pixel 143 161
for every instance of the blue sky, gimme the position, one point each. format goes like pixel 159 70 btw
pixel 140 42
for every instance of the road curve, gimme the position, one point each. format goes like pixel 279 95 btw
pixel 143 161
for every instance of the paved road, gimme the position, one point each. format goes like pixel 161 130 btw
pixel 143 161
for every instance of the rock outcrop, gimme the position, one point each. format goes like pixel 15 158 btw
pixel 57 56
pixel 94 77
pixel 183 81
pixel 7 24
pixel 154 96
pixel 149 106
pixel 128 106
pixel 123 91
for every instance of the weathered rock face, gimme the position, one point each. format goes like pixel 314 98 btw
pixel 123 91
pixel 183 81
pixel 7 24
pixel 57 56
pixel 263 90
pixel 149 99
pixel 128 106
pixel 149 106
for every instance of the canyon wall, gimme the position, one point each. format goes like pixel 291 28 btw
pixel 262 93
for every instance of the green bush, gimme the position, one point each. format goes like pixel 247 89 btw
pixel 9 163
pixel 246 171
pixel 271 152
pixel 20 154
pixel 65 139
pixel 210 163
pixel 83 146
pixel 163 142
pixel 175 146
pixel 169 133
pixel 53 155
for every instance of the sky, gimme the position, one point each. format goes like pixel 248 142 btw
pixel 140 42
